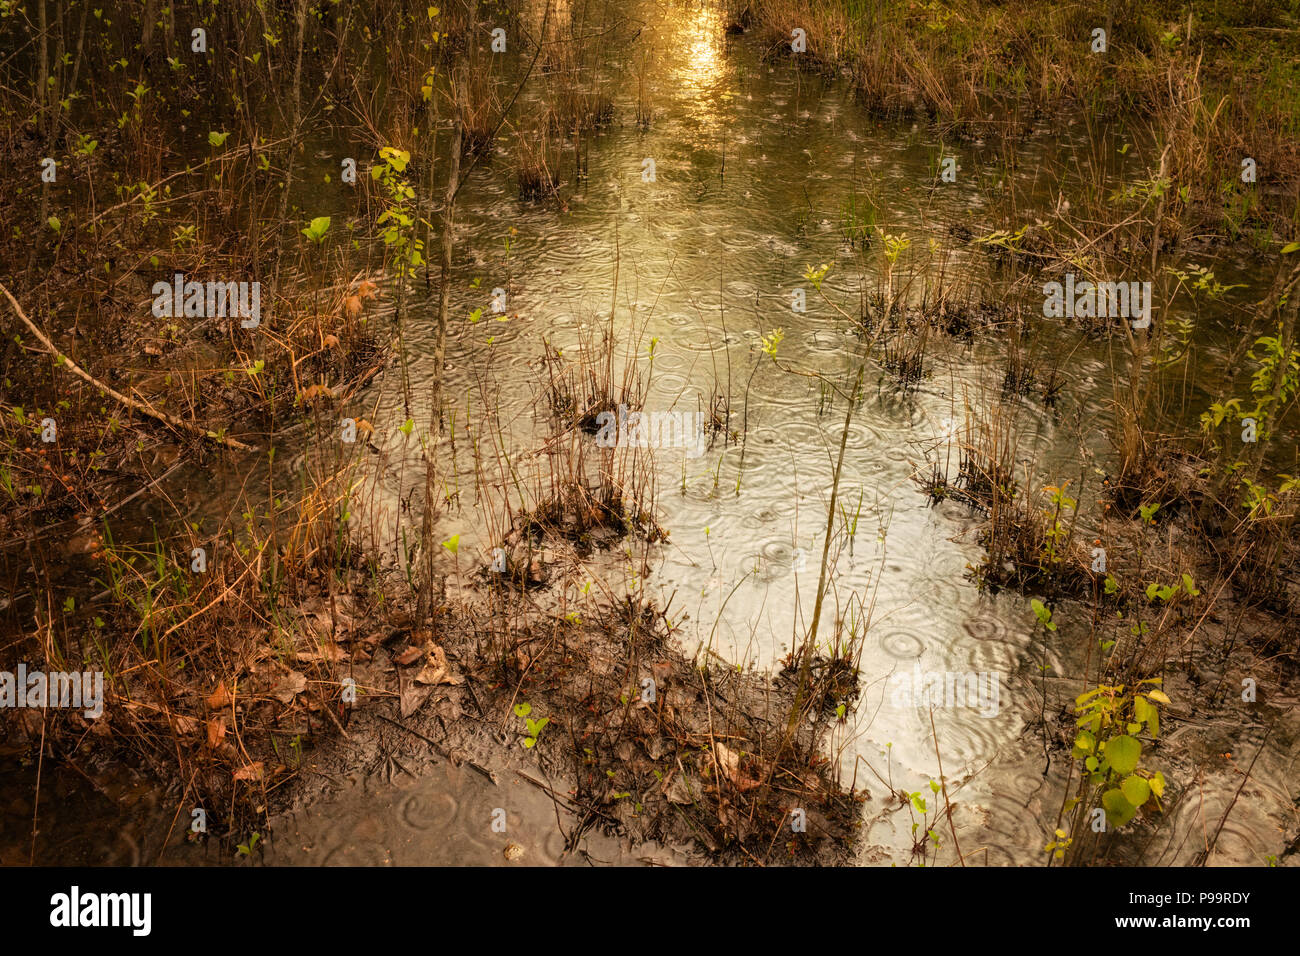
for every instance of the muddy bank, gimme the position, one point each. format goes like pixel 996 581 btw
pixel 604 724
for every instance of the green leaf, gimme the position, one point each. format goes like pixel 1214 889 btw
pixel 1118 810
pixel 396 158
pixel 1158 784
pixel 1122 753
pixel 524 709
pixel 215 138
pixel 1136 790
pixel 317 228
pixel 1043 613
pixel 530 741
pixel 452 544
pixel 406 426
pixel 1290 247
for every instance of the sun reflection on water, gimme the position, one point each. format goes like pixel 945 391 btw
pixel 700 75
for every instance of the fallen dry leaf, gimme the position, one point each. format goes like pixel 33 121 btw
pixel 679 790
pixel 311 393
pixel 408 656
pixel 328 651
pixel 729 761
pixel 289 687
pixel 252 771
pixel 186 724
pixel 216 730
pixel 220 698
pixel 436 669
pixel 410 694
pixel 322 623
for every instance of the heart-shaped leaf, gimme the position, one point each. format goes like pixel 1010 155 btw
pixel 1122 753
pixel 1118 810
pixel 1136 790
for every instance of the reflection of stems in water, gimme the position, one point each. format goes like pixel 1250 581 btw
pixel 817 375
pixel 943 783
pixel 851 527
pixel 424 593
pixel 722 319
pixel 810 642
pixel 717 618
pixel 744 430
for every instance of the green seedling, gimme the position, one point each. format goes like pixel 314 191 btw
pixel 246 849
pixel 532 728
